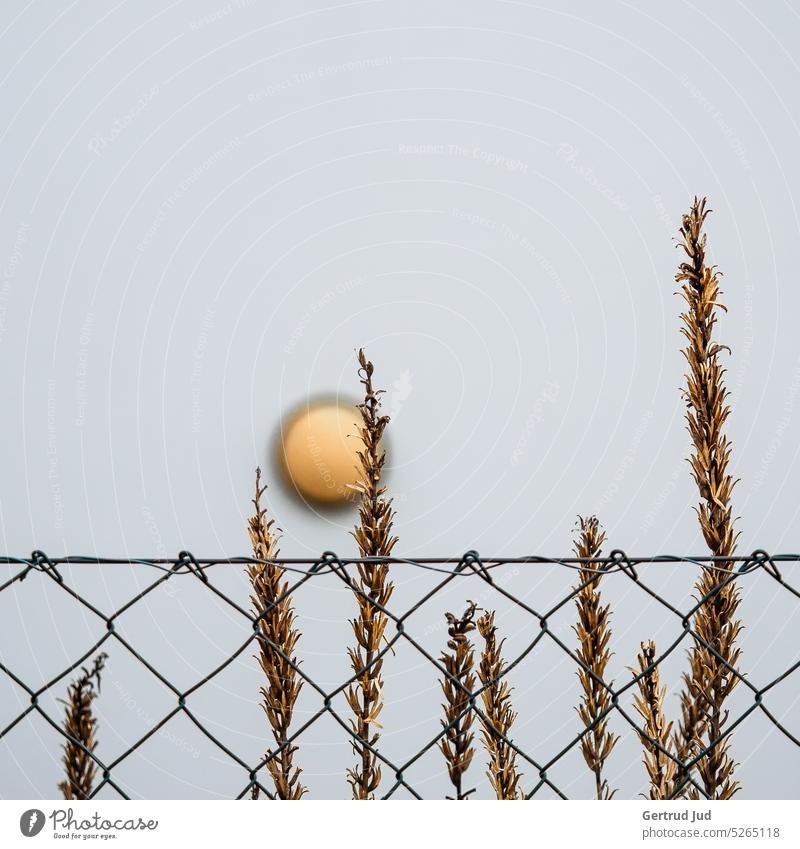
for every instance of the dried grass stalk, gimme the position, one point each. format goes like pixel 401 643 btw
pixel 277 641
pixel 496 698
pixel 661 768
pixel 593 633
pixel 458 660
pixel 710 681
pixel 374 537
pixel 81 724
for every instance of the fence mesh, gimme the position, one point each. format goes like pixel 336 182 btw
pixel 471 567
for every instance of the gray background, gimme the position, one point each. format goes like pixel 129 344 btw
pixel 206 207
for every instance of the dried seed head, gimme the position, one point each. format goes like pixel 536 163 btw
pixel 499 715
pixel 80 724
pixel 457 687
pixel 655 735
pixel 711 677
pixel 372 590
pixel 277 639
pixel 594 633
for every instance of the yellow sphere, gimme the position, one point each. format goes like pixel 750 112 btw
pixel 318 450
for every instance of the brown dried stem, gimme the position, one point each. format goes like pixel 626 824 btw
pixel 81 724
pixel 657 741
pixel 456 745
pixel 593 633
pixel 372 590
pixel 277 639
pixel 710 680
pixel 496 698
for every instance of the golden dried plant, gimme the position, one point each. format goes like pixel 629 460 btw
pixel 458 661
pixel 373 533
pixel 277 640
pixel 656 740
pixel 81 725
pixel 710 680
pixel 593 634
pixel 496 728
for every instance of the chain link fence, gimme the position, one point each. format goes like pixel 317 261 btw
pixel 475 577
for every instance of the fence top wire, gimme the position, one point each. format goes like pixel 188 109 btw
pixel 470 565
pixel 617 561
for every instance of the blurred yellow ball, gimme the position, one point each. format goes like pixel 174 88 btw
pixel 318 451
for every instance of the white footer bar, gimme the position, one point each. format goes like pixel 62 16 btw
pixel 412 825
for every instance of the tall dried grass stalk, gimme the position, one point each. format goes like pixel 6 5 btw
pixel 278 637
pixel 593 633
pixel 81 724
pixel 496 698
pixel 456 745
pixel 710 681
pixel 374 537
pixel 661 768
